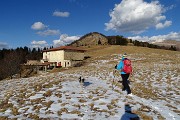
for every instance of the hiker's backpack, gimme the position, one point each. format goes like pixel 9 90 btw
pixel 127 66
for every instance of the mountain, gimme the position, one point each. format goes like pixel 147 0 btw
pixel 93 38
pixel 168 43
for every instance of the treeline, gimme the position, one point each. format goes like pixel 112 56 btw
pixel 149 45
pixel 11 59
pixel 117 40
pixel 120 40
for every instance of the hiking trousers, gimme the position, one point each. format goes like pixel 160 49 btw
pixel 125 83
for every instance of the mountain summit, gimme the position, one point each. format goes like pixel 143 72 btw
pixel 93 38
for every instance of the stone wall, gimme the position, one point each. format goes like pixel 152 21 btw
pixel 73 55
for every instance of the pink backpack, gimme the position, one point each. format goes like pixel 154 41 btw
pixel 127 66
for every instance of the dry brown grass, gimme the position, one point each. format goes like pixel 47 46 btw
pixel 5 105
pixel 36 101
pixel 47 104
pixel 48 85
pixel 58 94
pixel 33 116
pixel 75 112
pixel 38 88
pixel 95 99
pixel 3 117
pixel 104 51
pixel 109 106
pixel 62 110
pixel 143 116
pixel 91 106
pixel 114 101
pixel 77 105
pixel 15 111
pixel 90 96
pixel 47 93
pixel 95 51
pixel 82 100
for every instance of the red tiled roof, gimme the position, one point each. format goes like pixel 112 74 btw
pixel 65 48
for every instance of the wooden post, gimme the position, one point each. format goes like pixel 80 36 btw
pixel 45 68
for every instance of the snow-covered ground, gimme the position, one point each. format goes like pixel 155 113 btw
pixel 155 89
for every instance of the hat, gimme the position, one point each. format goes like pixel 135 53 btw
pixel 125 55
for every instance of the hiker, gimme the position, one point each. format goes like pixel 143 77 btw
pixel 125 69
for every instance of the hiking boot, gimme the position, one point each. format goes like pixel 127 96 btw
pixel 123 89
pixel 130 94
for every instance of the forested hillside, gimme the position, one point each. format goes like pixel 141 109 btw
pixel 11 59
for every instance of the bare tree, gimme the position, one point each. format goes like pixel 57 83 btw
pixel 2 70
pixel 11 64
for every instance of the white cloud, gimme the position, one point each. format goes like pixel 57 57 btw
pixel 170 7
pixel 64 40
pixel 3 45
pixel 136 16
pixel 38 26
pixel 48 32
pixel 39 44
pixel 61 14
pixel 140 38
pixel 161 25
pixel 158 38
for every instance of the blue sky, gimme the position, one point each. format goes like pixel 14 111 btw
pixel 40 23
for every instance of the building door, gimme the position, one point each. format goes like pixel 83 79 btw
pixel 59 64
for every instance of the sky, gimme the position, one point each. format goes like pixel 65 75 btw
pixel 44 23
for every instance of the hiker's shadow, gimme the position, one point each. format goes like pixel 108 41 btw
pixel 128 115
pixel 85 84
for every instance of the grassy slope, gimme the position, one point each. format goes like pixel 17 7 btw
pixel 153 68
pixel 146 62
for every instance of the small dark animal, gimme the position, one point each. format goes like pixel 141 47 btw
pixel 81 80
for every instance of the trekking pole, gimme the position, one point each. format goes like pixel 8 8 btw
pixel 130 78
pixel 115 84
pixel 113 79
